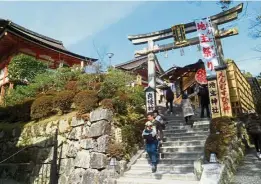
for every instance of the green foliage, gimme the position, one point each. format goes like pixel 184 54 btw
pixel 85 101
pixel 25 68
pixel 63 101
pixel 42 107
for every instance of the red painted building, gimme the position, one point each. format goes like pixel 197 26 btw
pixel 15 39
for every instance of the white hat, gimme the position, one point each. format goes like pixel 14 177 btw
pixel 149 124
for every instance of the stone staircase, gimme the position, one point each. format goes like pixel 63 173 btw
pixel 181 147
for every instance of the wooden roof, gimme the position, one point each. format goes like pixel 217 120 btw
pixel 175 72
pixel 50 43
pixel 138 63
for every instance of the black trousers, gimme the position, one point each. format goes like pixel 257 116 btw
pixel 203 107
pixel 257 141
pixel 171 104
pixel 187 118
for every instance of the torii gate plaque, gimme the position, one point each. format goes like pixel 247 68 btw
pixel 151 38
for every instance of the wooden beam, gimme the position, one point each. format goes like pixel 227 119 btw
pixel 218 19
pixel 192 41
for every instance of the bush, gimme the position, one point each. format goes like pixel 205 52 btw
pixel 85 101
pixel 107 104
pixel 71 85
pixel 42 107
pixel 116 150
pixel 63 101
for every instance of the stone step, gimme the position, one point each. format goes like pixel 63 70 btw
pixel 170 134
pixel 185 138
pixel 125 180
pixel 159 175
pixel 184 143
pixel 175 169
pixel 192 155
pixel 189 130
pixel 169 161
pixel 181 149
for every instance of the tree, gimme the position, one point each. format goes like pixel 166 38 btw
pixel 24 68
pixel 247 74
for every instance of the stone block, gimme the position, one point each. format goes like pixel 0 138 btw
pixel 75 134
pixel 66 166
pixel 98 160
pixel 63 179
pixel 82 159
pixel 91 176
pixel 76 176
pixel 98 129
pixel 50 128
pixel 103 143
pixel 101 114
pixel 64 126
pixel 77 122
pixel 73 148
pixel 88 144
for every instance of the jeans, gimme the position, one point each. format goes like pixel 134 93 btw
pixel 257 141
pixel 152 152
pixel 203 107
pixel 171 104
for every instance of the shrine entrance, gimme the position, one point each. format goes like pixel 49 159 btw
pixel 209 38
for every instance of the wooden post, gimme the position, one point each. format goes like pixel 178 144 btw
pixel 219 49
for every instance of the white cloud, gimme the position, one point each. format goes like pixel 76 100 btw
pixel 66 21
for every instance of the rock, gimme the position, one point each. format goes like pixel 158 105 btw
pixel 107 176
pixel 63 179
pixel 101 114
pixel 75 134
pixel 64 126
pixel 98 161
pixel 82 159
pixel 103 143
pixel 74 146
pixel 2 133
pixel 122 166
pixel 88 144
pixel 61 140
pixel 77 122
pixel 50 129
pixel 85 130
pixel 91 176
pixel 76 176
pixel 66 166
pixel 98 129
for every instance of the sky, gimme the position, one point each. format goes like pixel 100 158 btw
pixel 89 28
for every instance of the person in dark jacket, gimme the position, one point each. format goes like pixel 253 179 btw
pixel 204 100
pixel 254 129
pixel 169 99
pixel 149 134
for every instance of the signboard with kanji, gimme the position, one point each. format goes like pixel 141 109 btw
pixel 207 43
pixel 201 76
pixel 214 99
pixel 179 34
pixel 224 97
pixel 150 99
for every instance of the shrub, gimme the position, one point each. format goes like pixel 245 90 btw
pixel 71 85
pixel 63 100
pixel 116 150
pixel 85 101
pixel 107 104
pixel 42 107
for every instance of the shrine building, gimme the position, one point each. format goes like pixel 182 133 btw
pixel 15 39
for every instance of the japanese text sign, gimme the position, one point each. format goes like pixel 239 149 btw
pixel 150 101
pixel 207 42
pixel 214 99
pixel 225 104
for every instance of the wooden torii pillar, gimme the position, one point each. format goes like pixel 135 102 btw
pixel 151 38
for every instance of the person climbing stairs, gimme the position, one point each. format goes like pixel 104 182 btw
pixel 182 146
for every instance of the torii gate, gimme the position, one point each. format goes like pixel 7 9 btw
pixel 151 38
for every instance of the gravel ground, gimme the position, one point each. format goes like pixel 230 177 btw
pixel 250 170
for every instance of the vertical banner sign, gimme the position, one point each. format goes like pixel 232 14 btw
pixel 214 99
pixel 225 104
pixel 150 101
pixel 207 43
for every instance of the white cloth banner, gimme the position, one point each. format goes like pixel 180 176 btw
pixel 207 43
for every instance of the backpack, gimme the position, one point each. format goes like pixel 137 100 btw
pixel 169 94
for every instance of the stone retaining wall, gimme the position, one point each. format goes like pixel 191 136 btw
pixel 82 150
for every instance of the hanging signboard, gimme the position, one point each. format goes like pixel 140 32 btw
pixel 150 99
pixel 201 76
pixel 225 103
pixel 214 99
pixel 207 44
pixel 179 34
